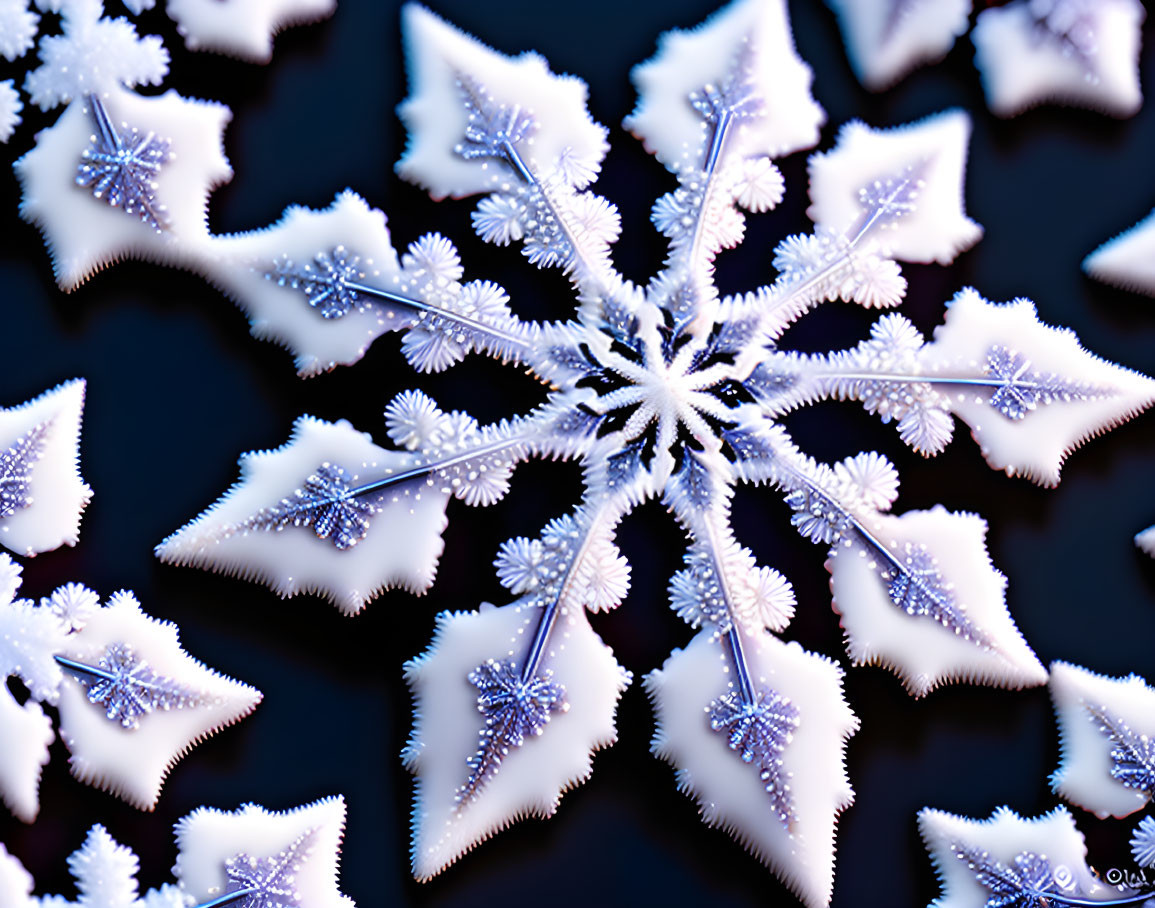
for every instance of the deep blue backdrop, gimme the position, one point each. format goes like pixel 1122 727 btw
pixel 177 389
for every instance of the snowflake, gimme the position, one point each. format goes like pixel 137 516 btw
pixel 667 391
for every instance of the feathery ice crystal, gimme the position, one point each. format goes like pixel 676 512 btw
pixel 667 391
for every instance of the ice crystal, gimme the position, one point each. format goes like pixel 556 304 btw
pixel 70 637
pixel 16 465
pixel 514 706
pixel 272 880
pixel 120 167
pixel 668 391
pixel 128 689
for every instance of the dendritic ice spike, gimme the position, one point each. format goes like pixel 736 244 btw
pixel 1083 53
pixel 1011 862
pixel 759 730
pixel 515 708
pixel 143 703
pixel 1106 734
pixel 120 167
pixel 42 495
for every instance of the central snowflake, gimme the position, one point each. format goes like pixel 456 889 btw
pixel 667 391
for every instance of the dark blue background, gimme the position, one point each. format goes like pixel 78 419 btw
pixel 177 389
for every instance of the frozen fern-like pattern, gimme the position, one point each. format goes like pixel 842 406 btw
pixel 670 391
pixel 514 708
pixel 128 689
pixel 16 465
pixel 326 504
pixel 121 166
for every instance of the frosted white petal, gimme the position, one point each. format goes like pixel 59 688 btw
pixel 689 60
pixel 886 39
pixel 1084 773
pixel 435 115
pixel 729 792
pixel 207 838
pixel 1005 836
pixel 10 107
pixel 1037 444
pixel 935 148
pixel 59 494
pixel 1128 260
pixel 447 726
pixel 1023 65
pixel 282 314
pixel 133 763
pixel 919 649
pixel 85 234
pixel 26 733
pixel 15 882
pixel 401 548
pixel 241 28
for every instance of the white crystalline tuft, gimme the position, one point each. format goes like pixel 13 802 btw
pixel 886 39
pixel 94 55
pixel 1084 53
pixel 1128 260
pixel 1098 715
pixel 435 116
pixel 18 26
pixel 241 28
pixel 10 107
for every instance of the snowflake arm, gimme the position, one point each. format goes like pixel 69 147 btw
pixel 1030 393
pixel 916 592
pixel 877 197
pixel 1105 729
pixel 332 512
pixel 15 882
pixel 42 495
pixel 1079 52
pixel 327 284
